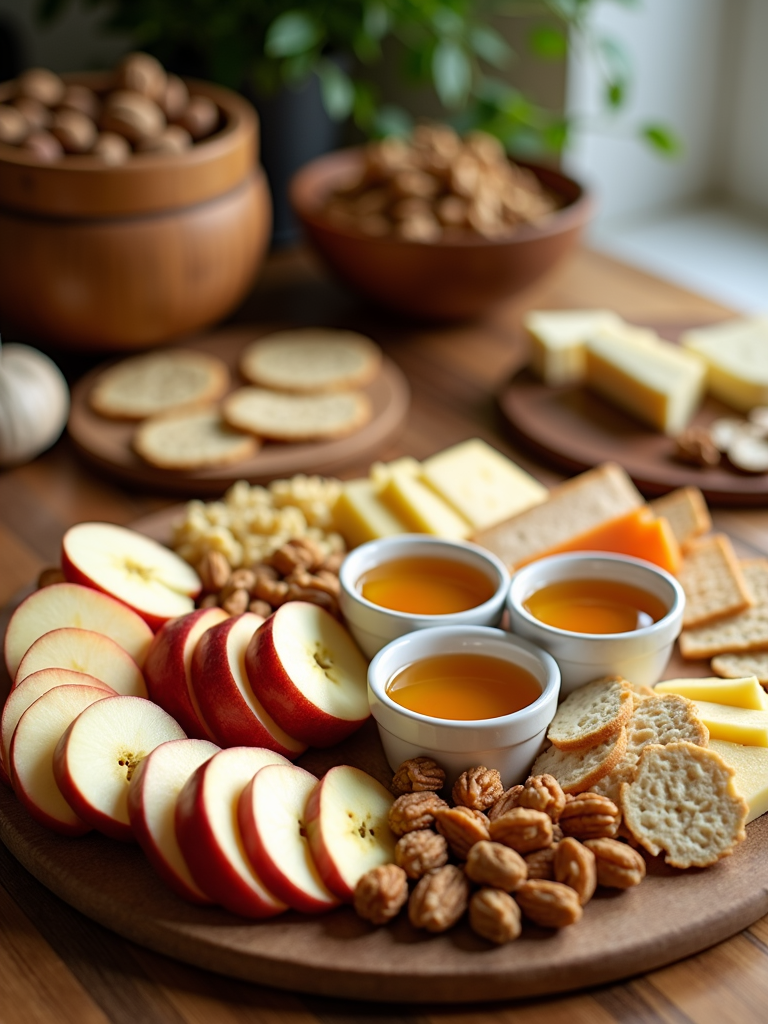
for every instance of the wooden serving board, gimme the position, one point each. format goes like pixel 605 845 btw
pixel 576 430
pixel 107 443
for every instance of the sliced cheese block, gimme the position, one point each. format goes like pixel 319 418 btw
pixel 381 472
pixel 751 767
pixel 360 516
pixel 557 341
pixel 738 725
pixel 736 355
pixel 652 379
pixel 736 693
pixel 481 484
pixel 420 508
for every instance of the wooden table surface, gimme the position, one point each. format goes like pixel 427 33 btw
pixel 57 966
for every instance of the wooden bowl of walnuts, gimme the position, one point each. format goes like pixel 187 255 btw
pixel 132 205
pixel 438 226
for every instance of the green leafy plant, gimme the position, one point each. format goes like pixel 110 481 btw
pixel 452 47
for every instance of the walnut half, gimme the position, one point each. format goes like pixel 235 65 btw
pixel 439 899
pixel 380 893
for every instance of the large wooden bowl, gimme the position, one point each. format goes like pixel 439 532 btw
pixel 107 258
pixel 445 280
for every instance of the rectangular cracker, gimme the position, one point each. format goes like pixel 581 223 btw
pixel 686 511
pixel 713 581
pixel 736 666
pixel 747 631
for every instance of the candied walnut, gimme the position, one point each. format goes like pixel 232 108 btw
pixel 414 811
pixel 292 556
pixel 549 904
pixel 333 562
pixel 261 570
pixel 210 601
pixel 236 603
pixel 422 851
pixel 324 582
pixel 543 793
pixel 274 592
pixel 618 865
pixel 478 788
pixel 496 865
pixel 380 893
pixel 241 579
pixel 214 570
pixel 439 899
pixel 523 829
pixel 540 863
pixel 506 802
pixel 418 775
pixel 557 832
pixel 574 865
pixel 495 916
pixel 312 596
pixel 696 447
pixel 590 816
pixel 310 552
pixel 260 608
pixel 50 576
pixel 462 827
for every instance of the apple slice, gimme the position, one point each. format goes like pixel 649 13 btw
pixel 68 604
pixel 83 650
pixel 271 817
pixel 152 797
pixel 167 668
pixel 308 673
pixel 209 836
pixel 31 755
pixel 96 757
pixel 227 702
pixel 346 820
pixel 149 578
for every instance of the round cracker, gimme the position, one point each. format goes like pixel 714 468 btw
pixel 311 360
pixel 191 439
pixel 283 417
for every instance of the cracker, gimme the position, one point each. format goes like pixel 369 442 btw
pixel 311 360
pixel 713 582
pixel 686 512
pixel 156 382
pixel 579 770
pixel 191 439
pixel 683 801
pixel 591 714
pixel 283 417
pixel 736 666
pixel 747 631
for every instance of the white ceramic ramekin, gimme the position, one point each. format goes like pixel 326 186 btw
pixel 509 743
pixel 640 655
pixel 373 626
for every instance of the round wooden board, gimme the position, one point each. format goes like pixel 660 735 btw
pixel 107 443
pixel 576 430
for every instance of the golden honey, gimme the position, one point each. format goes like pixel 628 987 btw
pixel 426 586
pixel 463 687
pixel 595 606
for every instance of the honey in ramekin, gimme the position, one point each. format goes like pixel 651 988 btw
pixel 595 606
pixel 426 586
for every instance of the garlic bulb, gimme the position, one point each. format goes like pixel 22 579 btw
pixel 34 403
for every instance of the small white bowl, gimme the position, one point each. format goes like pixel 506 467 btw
pixel 509 743
pixel 639 656
pixel 373 626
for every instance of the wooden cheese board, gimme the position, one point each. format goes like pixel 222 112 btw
pixel 107 443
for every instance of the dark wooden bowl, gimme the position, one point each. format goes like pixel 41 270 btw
pixel 114 258
pixel 446 280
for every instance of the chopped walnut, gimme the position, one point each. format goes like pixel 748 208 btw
pixel 496 865
pixel 462 827
pixel 50 576
pixel 413 811
pixel 380 893
pixel 260 608
pixel 506 802
pixel 291 556
pixel 618 865
pixel 495 916
pixel 478 788
pixel 549 904
pixel 241 579
pixel 557 832
pixel 523 829
pixel 420 852
pixel 543 793
pixel 590 816
pixel 311 553
pixel 417 775
pixel 313 596
pixel 236 603
pixel 333 562
pixel 574 865
pixel 214 570
pixel 540 863
pixel 696 447
pixel 274 592
pixel 439 899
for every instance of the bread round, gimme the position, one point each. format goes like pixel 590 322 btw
pixel 156 382
pixel 283 417
pixel 578 770
pixel 591 714
pixel 191 439
pixel 311 360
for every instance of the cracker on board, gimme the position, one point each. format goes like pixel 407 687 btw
pixel 311 359
pixel 191 439
pixel 747 631
pixel 591 714
pixel 686 511
pixel 737 666
pixel 283 417
pixel 713 581
pixel 579 770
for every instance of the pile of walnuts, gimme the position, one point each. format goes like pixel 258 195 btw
pixel 527 852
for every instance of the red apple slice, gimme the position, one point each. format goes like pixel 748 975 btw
pixel 271 817
pixel 308 673
pixel 152 797
pixel 96 757
pixel 346 820
pixel 167 669
pixel 68 604
pixel 148 577
pixel 209 835
pixel 227 702
pixel 83 650
pixel 31 756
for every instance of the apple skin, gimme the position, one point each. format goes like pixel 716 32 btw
pixel 224 694
pixel 282 698
pixel 168 664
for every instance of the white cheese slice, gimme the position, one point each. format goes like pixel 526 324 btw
pixel 736 354
pixel 737 693
pixel 751 779
pixel 421 509
pixel 557 339
pixel 359 516
pixel 738 725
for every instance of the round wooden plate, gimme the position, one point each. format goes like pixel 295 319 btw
pixel 107 443
pixel 576 430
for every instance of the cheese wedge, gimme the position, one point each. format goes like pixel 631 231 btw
pixel 422 511
pixel 557 339
pixel 736 356
pixel 737 725
pixel 481 484
pixel 736 693
pixel 652 379
pixel 360 516
pixel 751 778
